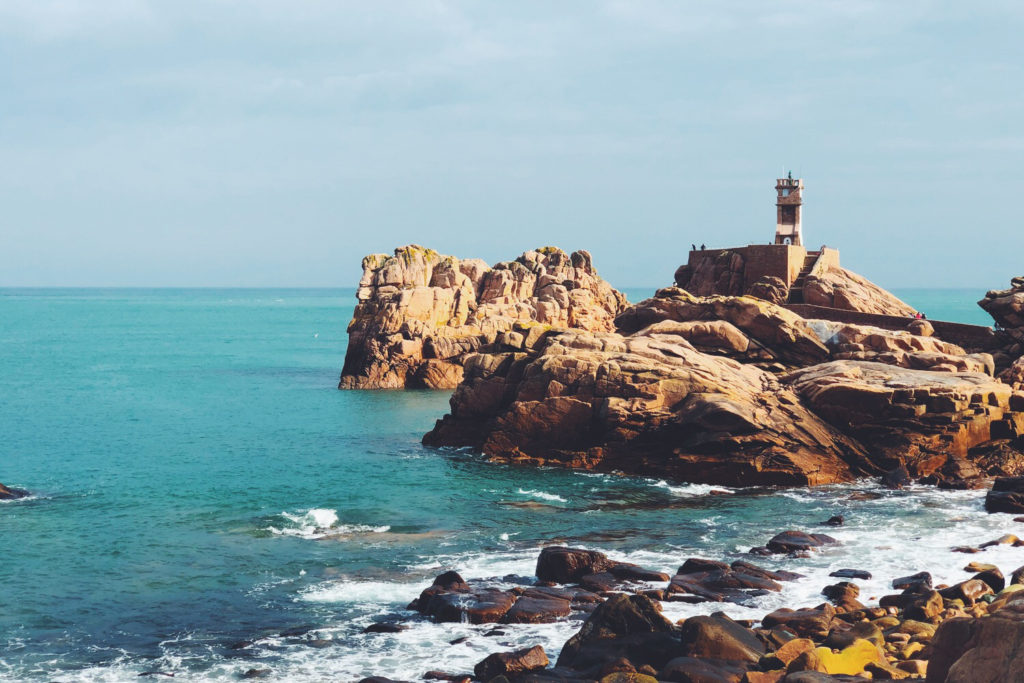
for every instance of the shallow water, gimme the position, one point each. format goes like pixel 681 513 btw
pixel 206 502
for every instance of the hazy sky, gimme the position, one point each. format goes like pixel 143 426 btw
pixel 274 143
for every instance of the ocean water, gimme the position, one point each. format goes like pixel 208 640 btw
pixel 207 502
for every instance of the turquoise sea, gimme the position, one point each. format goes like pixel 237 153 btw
pixel 206 502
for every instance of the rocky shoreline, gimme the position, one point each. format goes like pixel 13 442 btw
pixel 717 383
pixel 970 631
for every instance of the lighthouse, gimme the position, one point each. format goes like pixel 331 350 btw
pixel 789 204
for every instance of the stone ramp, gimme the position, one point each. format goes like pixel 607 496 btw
pixel 973 337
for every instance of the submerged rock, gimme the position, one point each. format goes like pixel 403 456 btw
pixel 419 313
pixel 11 493
pixel 798 541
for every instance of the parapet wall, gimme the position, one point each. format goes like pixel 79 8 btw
pixel 971 337
pixel 828 259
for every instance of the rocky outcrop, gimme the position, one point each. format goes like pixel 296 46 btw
pixel 649 404
pixel 1006 306
pixel 419 313
pixel 925 421
pixel 689 389
pixel 11 493
pixel 848 291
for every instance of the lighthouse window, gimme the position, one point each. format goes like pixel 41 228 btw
pixel 785 192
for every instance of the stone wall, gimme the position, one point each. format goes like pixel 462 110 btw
pixel 733 271
pixel 751 263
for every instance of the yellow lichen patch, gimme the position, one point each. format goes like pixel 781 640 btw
pixel 851 660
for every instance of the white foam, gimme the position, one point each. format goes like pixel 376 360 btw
pixel 542 495
pixel 897 534
pixel 320 523
pixel 379 593
pixel 690 490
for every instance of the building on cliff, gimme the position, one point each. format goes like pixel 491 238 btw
pixel 809 283
pixel 776 271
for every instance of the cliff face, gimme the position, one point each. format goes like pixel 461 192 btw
pixel 737 391
pixel 419 312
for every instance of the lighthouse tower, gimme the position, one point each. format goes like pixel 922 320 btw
pixel 789 204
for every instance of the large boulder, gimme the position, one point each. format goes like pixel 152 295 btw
pixel 452 599
pixel 647 404
pixel 518 661
pixel 625 626
pixel 1006 495
pixel 565 565
pixel 986 650
pixel 419 313
pixel 719 637
pixel 840 288
pixel 770 288
pixel 809 623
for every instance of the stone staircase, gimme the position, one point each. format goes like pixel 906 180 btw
pixel 796 290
